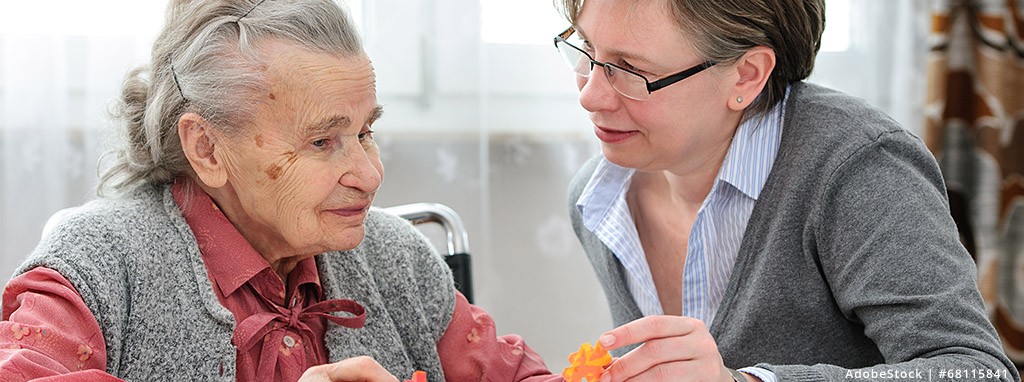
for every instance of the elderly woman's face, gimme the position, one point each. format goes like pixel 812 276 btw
pixel 305 172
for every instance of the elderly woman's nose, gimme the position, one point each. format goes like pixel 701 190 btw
pixel 363 171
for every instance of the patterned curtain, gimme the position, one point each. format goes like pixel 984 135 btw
pixel 975 127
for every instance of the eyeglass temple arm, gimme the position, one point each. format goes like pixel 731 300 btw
pixel 564 35
pixel 652 86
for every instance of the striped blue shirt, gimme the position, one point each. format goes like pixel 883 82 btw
pixel 715 235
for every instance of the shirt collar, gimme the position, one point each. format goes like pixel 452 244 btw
pixel 606 187
pixel 753 150
pixel 746 167
pixel 230 260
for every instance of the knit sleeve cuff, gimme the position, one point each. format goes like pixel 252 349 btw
pixel 797 373
pixel 763 374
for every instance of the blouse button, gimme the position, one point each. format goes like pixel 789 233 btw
pixel 289 341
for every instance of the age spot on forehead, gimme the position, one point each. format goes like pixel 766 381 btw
pixel 272 96
pixel 259 140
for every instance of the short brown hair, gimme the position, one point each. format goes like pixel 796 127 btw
pixel 723 30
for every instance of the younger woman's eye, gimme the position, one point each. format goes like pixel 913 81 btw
pixel 627 65
pixel 588 47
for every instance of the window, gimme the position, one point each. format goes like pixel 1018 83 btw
pixel 837 28
pixel 529 22
pixel 884 55
pixel 82 18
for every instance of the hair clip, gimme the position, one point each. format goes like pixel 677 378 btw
pixel 250 10
pixel 176 83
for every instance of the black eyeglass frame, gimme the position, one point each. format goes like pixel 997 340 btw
pixel 651 86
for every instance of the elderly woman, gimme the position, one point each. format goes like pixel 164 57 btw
pixel 236 239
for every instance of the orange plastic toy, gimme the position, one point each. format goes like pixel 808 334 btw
pixel 587 364
pixel 418 376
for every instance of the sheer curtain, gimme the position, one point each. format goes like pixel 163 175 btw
pixel 883 56
pixel 481 116
pixel 61 62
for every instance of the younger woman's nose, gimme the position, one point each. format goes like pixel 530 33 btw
pixel 596 92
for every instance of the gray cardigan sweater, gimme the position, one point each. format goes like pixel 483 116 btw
pixel 137 266
pixel 850 259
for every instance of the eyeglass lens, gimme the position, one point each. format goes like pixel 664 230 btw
pixel 627 84
pixel 575 59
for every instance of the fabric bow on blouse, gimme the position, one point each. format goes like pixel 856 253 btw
pixel 281 323
pixel 271 329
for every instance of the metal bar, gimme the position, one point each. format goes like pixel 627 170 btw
pixel 458 239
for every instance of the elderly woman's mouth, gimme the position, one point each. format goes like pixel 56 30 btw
pixel 350 211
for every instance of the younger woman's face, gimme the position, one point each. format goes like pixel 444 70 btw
pixel 680 127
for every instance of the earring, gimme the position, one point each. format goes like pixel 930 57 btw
pixel 739 99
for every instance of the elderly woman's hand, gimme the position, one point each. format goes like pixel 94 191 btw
pixel 356 369
pixel 674 348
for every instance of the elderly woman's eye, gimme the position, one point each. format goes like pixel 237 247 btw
pixel 366 135
pixel 323 142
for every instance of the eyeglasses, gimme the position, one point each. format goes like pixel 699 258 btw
pixel 626 82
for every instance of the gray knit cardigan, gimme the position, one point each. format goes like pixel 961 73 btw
pixel 850 267
pixel 136 264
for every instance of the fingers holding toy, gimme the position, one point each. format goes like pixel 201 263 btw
pixel 672 348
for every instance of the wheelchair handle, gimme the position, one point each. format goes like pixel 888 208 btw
pixel 458 239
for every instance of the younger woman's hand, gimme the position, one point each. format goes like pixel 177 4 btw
pixel 673 348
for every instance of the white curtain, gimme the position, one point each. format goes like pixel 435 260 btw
pixel 487 125
pixel 885 58
pixel 61 62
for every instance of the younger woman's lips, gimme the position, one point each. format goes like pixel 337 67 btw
pixel 613 136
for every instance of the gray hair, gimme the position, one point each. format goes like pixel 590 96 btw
pixel 206 60
pixel 723 30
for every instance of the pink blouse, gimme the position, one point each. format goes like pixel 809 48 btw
pixel 47 330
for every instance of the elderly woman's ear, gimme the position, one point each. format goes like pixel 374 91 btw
pixel 199 142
